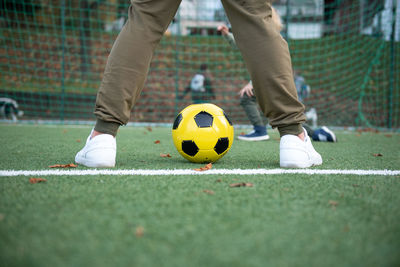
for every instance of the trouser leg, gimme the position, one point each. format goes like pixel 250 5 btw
pixel 249 105
pixel 267 58
pixel 129 61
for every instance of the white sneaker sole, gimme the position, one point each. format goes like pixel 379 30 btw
pixel 259 138
pixel 291 153
pixel 297 164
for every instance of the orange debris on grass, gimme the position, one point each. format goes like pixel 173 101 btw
pixel 71 165
pixel 205 168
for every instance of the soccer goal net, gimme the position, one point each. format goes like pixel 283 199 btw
pixel 345 53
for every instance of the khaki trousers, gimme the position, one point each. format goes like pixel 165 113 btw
pixel 264 51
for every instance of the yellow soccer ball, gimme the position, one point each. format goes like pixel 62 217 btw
pixel 202 133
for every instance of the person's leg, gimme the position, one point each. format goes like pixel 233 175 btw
pixel 124 77
pixel 129 61
pixel 257 119
pixel 267 58
pixel 309 130
pixel 312 116
pixel 249 104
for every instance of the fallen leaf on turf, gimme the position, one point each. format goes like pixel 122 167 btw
pixel 157 142
pixel 333 204
pixel 149 129
pixel 210 192
pixel 388 135
pixel 219 180
pixel 205 168
pixel 377 155
pixel 71 165
pixel 37 180
pixel 165 155
pixel 368 130
pixel 139 232
pixel 241 185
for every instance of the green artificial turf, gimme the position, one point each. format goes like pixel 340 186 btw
pixel 282 220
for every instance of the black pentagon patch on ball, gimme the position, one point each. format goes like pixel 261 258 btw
pixel 222 145
pixel 177 121
pixel 203 119
pixel 226 117
pixel 190 148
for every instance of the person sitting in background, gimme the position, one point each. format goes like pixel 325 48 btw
pixel 200 87
pixel 9 109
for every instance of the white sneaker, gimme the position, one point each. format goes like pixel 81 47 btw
pixel 99 151
pixel 296 153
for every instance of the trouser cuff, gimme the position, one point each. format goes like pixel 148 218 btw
pixel 294 129
pixel 107 127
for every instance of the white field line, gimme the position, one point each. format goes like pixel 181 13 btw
pixel 58 172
